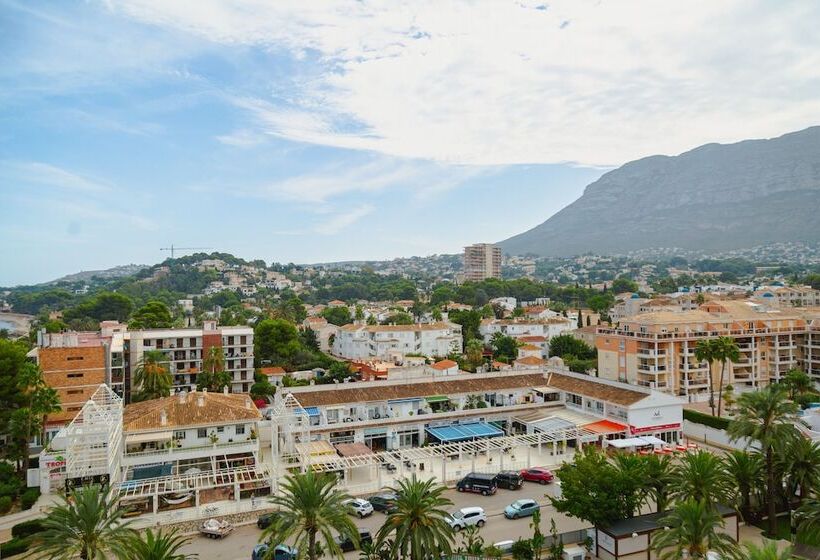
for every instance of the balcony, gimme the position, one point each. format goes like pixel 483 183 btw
pixel 644 368
pixel 131 458
pixel 651 353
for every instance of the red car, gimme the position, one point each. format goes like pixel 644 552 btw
pixel 538 474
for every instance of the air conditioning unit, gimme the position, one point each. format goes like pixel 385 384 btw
pixel 574 553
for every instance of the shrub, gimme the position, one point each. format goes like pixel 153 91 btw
pixel 29 497
pixel 5 504
pixel 27 528
pixel 805 400
pixel 705 419
pixel 522 550
pixel 14 547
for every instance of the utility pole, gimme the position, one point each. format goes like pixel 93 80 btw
pixel 173 248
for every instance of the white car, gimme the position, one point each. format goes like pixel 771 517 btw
pixel 467 516
pixel 359 507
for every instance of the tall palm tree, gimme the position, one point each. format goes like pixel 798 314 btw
pixel 745 470
pixel 310 508
pixel 694 528
pixel 419 523
pixel 725 350
pixel 705 351
pixel 800 461
pixel 767 551
pixel 659 472
pixel 158 546
pixel 768 418
pixel 701 476
pixel 808 517
pixel 152 376
pixel 87 524
pixel 632 467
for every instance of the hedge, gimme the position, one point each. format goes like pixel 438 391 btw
pixel 27 528
pixel 5 504
pixel 14 547
pixel 29 498
pixel 705 419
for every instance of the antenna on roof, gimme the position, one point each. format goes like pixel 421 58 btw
pixel 173 248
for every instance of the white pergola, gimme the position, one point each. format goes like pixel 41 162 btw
pixel 94 438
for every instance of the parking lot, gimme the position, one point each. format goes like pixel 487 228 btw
pixel 241 542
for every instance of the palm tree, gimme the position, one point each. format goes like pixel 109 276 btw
pixel 694 529
pixel 808 517
pixel 152 376
pixel 767 551
pixel 310 508
pixel 800 461
pixel 158 546
pixel 42 400
pixel 659 472
pixel 745 469
pixel 419 523
pixel 632 467
pixel 798 381
pixel 701 476
pixel 726 350
pixel 705 351
pixel 87 524
pixel 768 418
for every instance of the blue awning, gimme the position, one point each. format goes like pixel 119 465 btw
pixel 464 432
pixel 311 411
pixel 396 401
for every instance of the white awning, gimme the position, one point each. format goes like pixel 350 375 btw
pixel 627 442
pixel 652 440
pixel 147 437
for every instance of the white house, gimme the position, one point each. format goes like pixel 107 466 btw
pixel 357 342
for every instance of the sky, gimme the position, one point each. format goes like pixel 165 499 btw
pixel 324 131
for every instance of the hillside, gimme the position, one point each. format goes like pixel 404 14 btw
pixel 713 198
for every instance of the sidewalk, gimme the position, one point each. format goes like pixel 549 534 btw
pixel 43 503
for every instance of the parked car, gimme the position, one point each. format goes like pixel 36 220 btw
pixel 538 474
pixel 385 503
pixel 480 483
pixel 281 552
pixel 511 480
pixel 264 521
pixel 467 516
pixel 346 543
pixel 358 506
pixel 521 508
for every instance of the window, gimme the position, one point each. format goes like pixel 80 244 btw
pixel 240 429
pixel 75 391
pixel 74 375
pixel 202 432
pixel 179 434
pixel 179 343
pixel 146 342
pixel 574 399
pixel 220 429
pixel 74 358
pixel 192 342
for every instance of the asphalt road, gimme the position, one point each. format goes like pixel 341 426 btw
pixel 240 543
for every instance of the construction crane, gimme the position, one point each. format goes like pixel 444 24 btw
pixel 173 248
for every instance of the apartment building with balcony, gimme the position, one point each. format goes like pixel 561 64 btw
pixel 525 329
pixel 657 350
pixel 482 261
pixel 788 296
pixel 362 342
pixel 186 348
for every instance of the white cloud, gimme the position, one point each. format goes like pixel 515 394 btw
pixel 35 172
pixel 592 82
pixel 344 220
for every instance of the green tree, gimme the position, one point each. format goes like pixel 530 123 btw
pixel 471 540
pixel 600 303
pixel 504 347
pixel 800 461
pixel 41 400
pixel 276 340
pixel 152 315
pixel 213 376
pixel 418 525
pixel 567 345
pixel 158 546
pixel 694 530
pixel 556 548
pixel 470 322
pixel 725 350
pixel 152 376
pixel 87 524
pixel 474 351
pixel 291 309
pixel 359 314
pixel 767 551
pixel 337 315
pixel 12 360
pixel 310 509
pixel 706 351
pixel 798 383
pixel 745 470
pixel 808 518
pixel 702 477
pixel 399 318
pixel 768 418
pixel 660 476
pixel 580 322
pixel 624 284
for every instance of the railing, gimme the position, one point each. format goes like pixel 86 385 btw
pixel 179 450
pixel 701 334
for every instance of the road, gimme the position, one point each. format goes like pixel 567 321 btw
pixel 240 543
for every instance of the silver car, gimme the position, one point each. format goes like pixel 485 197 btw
pixel 358 506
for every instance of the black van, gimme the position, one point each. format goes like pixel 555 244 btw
pixel 480 483
pixel 511 480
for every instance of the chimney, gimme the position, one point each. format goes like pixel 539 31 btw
pixel 200 400
pixel 163 417
pixel 248 403
pixel 171 392
pixel 181 396
pixel 225 390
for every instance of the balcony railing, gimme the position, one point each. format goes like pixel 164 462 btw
pixel 171 451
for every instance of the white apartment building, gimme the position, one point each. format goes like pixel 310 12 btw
pixel 788 296
pixel 357 342
pixel 518 328
pixel 186 348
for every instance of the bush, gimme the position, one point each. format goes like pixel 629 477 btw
pixel 5 504
pixel 29 497
pixel 522 550
pixel 14 547
pixel 705 419
pixel 27 528
pixel 805 400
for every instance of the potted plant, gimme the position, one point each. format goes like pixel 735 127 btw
pixel 253 434
pixel 588 542
pixel 213 438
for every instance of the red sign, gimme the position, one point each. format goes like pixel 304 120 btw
pixel 54 464
pixel 661 428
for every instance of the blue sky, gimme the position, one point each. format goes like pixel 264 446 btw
pixel 339 131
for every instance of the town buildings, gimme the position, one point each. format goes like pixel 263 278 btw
pixel 482 261
pixel 657 349
pixel 392 342
pixel 524 329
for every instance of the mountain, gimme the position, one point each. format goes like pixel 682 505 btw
pixel 713 198
pixel 116 272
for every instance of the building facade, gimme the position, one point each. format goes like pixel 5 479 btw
pixel 357 342
pixel 482 261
